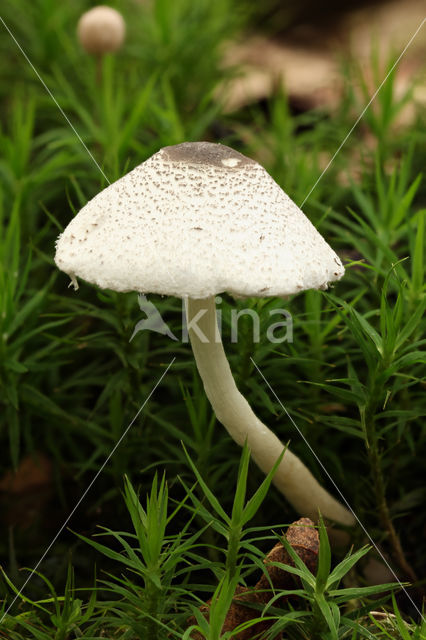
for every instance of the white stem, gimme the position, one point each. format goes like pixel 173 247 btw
pixel 292 478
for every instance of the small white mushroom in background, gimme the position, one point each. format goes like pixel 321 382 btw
pixel 101 30
pixel 195 220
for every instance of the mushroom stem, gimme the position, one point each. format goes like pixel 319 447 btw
pixel 292 477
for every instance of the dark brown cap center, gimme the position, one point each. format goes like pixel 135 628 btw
pixel 207 153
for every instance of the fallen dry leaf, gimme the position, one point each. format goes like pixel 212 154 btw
pixel 306 60
pixel 25 492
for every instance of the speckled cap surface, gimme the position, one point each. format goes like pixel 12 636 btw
pixel 197 219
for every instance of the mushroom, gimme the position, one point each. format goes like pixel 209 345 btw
pixel 101 30
pixel 188 222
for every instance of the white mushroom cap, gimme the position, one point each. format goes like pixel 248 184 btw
pixel 101 29
pixel 197 219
